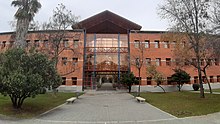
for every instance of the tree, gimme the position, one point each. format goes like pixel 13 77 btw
pixel 190 17
pixel 157 76
pixel 216 16
pixel 137 59
pixel 184 54
pixel 24 15
pixel 57 32
pixel 128 79
pixel 23 74
pixel 180 77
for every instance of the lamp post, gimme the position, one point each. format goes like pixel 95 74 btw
pixel 138 67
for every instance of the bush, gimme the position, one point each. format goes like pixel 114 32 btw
pixel 98 85
pixel 43 90
pixel 195 87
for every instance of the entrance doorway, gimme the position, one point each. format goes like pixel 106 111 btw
pixel 106 57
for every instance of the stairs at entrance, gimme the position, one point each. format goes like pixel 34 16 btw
pixel 106 86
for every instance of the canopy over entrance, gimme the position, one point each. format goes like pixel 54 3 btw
pixel 107 22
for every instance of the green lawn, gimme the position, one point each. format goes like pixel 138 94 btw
pixel 215 90
pixel 184 104
pixel 33 106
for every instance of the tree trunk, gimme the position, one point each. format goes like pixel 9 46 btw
pixel 129 88
pixel 202 95
pixel 210 88
pixel 14 101
pixel 17 102
pixel 21 32
pixel 139 87
pixel 162 88
pixel 179 87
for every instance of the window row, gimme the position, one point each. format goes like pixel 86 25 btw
pixel 211 79
pixel 168 61
pixel 43 43
pixel 158 61
pixel 204 80
pixel 74 81
pixel 157 44
pixel 65 60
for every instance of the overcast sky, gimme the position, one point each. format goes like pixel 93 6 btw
pixel 142 12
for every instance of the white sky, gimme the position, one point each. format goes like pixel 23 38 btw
pixel 142 12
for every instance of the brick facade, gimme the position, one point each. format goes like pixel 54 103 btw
pixel 71 58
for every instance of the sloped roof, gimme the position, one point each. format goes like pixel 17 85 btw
pixel 107 22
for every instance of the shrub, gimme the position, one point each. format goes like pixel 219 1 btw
pixel 43 90
pixel 195 87
pixel 98 85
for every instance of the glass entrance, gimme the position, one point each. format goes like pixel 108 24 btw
pixel 106 57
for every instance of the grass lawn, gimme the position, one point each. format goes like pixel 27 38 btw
pixel 215 90
pixel 184 104
pixel 33 106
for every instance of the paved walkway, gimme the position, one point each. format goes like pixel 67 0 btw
pixel 111 107
pixel 106 106
pixel 106 86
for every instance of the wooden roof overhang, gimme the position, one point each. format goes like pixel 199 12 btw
pixel 107 22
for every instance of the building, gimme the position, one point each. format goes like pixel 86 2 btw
pixel 107 45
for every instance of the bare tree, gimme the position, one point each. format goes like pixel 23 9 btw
pixel 57 33
pixel 184 54
pixel 157 76
pixel 190 17
pixel 137 58
pixel 216 16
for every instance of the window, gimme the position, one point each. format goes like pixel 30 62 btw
pixel 174 44
pixel 137 78
pixel 177 61
pixel 75 43
pixel 186 62
pixel 194 61
pixel 158 61
pixel 136 43
pixel 157 43
pixel 196 80
pixel 65 43
pixel 184 43
pixel 216 62
pixel 169 80
pixel 149 80
pixel 36 43
pixel 147 44
pixel 74 80
pixel 209 62
pixel 64 81
pixel 64 59
pixel 46 43
pixel 218 78
pixel 168 61
pixel 148 61
pixel 3 44
pixel 204 79
pixel 202 62
pixel 189 80
pixel 211 79
pixel 166 44
pixel 11 43
pixel 75 60
pixel 28 43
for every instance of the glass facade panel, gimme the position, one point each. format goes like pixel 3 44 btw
pixel 106 56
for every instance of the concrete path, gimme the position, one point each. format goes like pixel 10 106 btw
pixel 111 107
pixel 106 86
pixel 106 106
